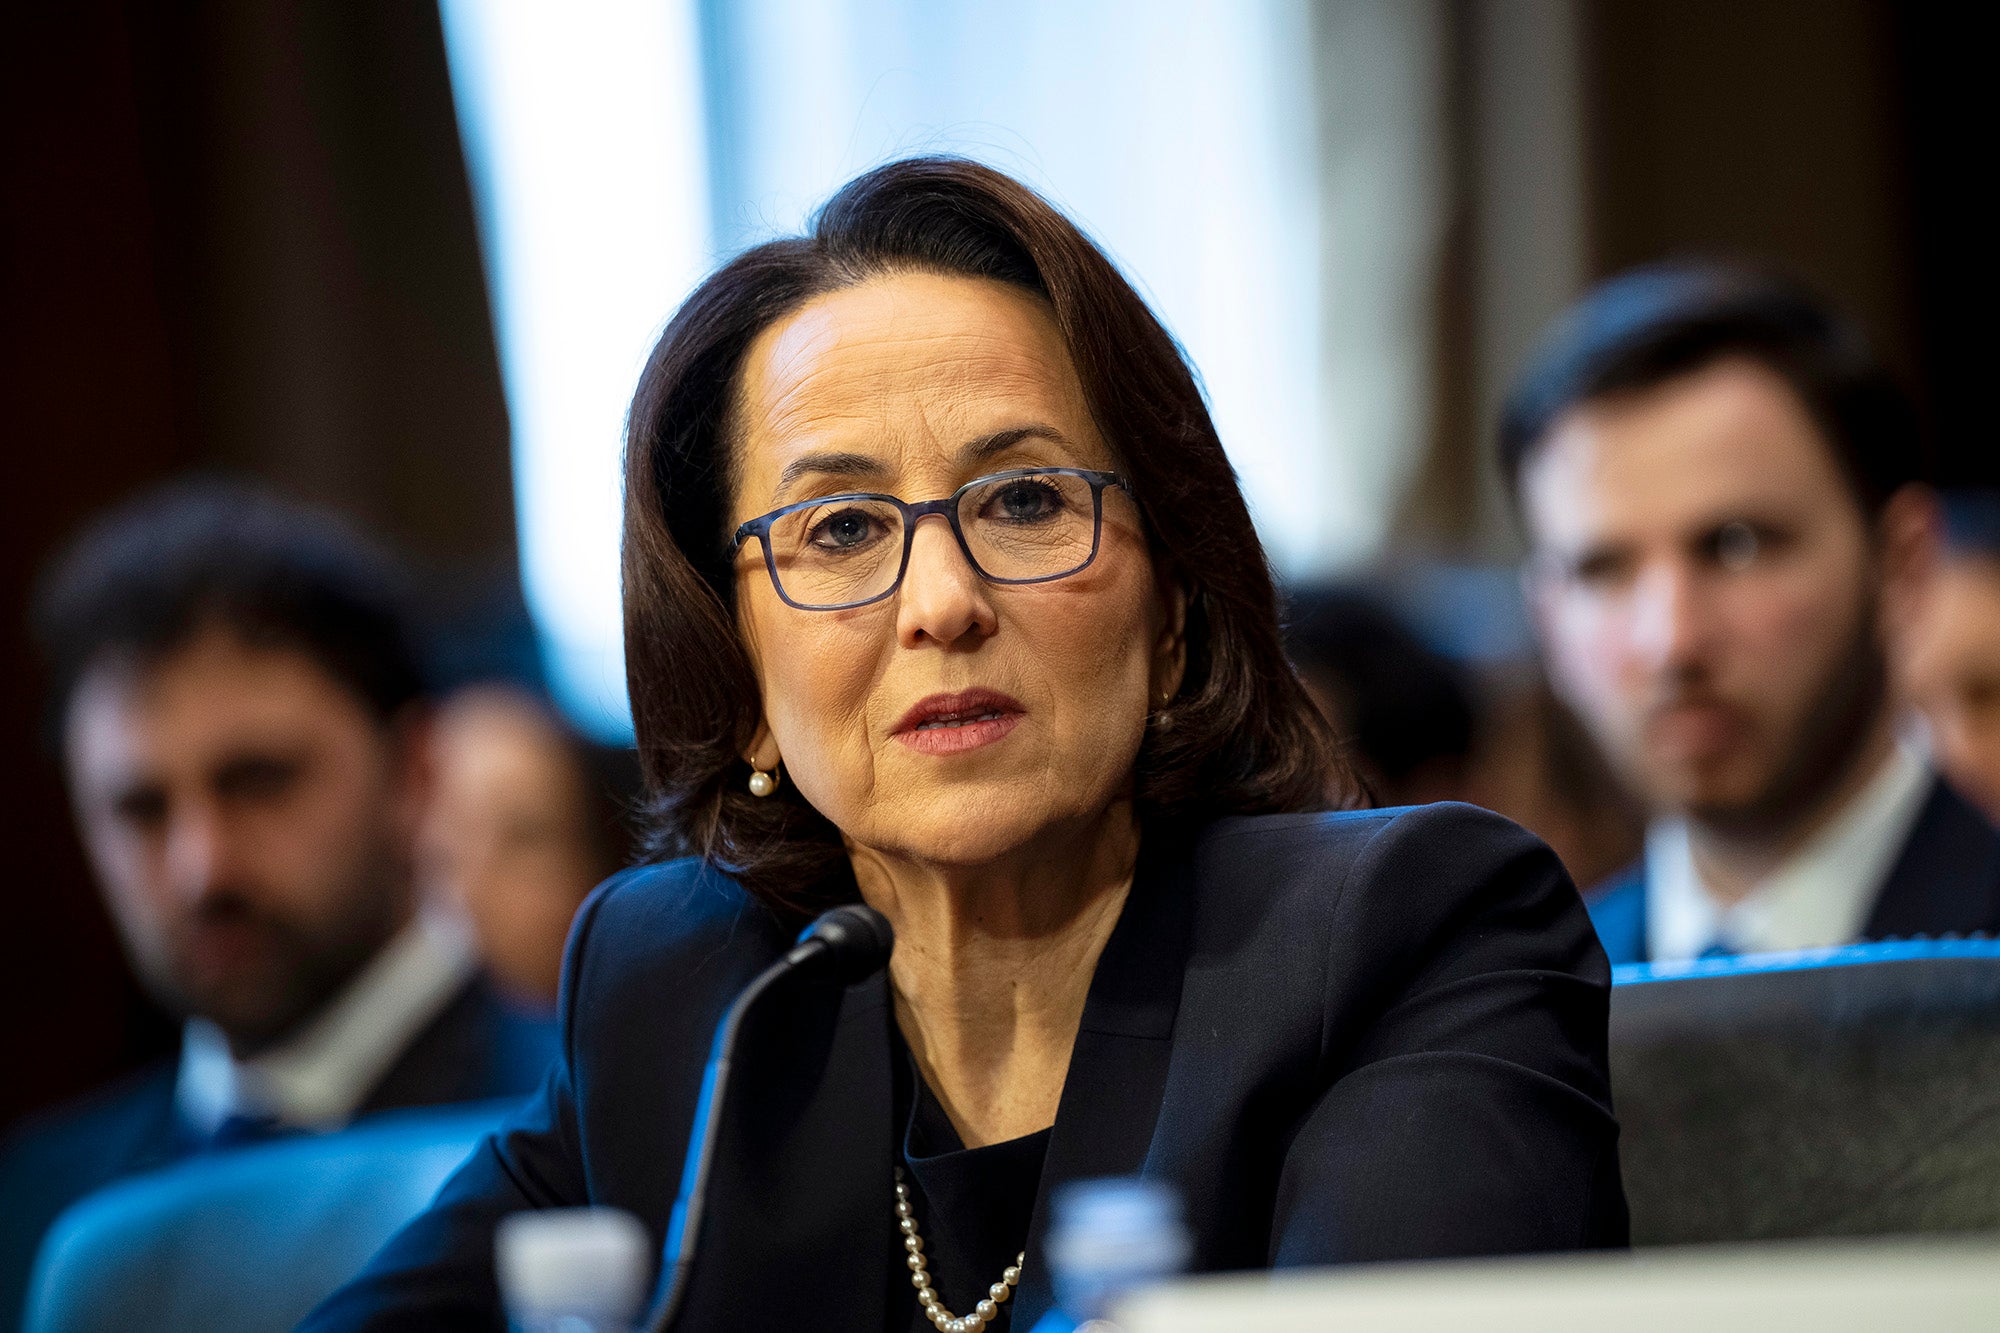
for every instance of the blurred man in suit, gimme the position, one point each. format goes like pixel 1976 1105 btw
pixel 1951 647
pixel 1718 483
pixel 241 718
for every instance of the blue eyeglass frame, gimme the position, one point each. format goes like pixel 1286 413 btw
pixel 947 509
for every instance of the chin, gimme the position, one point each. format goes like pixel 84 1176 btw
pixel 952 843
pixel 1713 794
pixel 966 827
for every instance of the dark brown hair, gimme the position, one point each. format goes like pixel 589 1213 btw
pixel 1654 324
pixel 146 578
pixel 1240 736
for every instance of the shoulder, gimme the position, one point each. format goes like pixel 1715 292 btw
pixel 1316 861
pixel 81 1144
pixel 1946 878
pixel 1950 837
pixel 1368 900
pixel 685 912
pixel 675 933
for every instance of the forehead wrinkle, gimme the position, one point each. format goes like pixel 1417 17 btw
pixel 890 418
pixel 893 381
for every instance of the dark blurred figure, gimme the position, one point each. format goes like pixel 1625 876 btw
pixel 1405 711
pixel 1718 483
pixel 1421 727
pixel 525 823
pixel 1535 765
pixel 1950 650
pixel 242 720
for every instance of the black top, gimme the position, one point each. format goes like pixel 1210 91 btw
pixel 973 1205
pixel 1343 1037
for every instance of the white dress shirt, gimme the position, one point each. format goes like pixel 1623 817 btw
pixel 1819 897
pixel 316 1078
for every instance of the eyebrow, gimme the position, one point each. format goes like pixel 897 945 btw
pixel 986 446
pixel 836 464
pixel 829 465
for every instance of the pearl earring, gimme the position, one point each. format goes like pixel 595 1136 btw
pixel 761 782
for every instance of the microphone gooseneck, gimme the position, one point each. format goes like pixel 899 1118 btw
pixel 840 947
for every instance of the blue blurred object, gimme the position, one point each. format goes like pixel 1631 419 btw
pixel 1972 521
pixel 1836 1092
pixel 1111 1236
pixel 248 1242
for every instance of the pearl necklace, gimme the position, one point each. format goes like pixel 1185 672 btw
pixel 920 1277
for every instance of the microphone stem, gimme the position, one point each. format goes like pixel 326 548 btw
pixel 685 1223
pixel 842 946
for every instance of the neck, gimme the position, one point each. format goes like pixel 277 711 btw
pixel 993 963
pixel 1734 856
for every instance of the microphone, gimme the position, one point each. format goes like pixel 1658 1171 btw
pixel 846 945
pixel 841 947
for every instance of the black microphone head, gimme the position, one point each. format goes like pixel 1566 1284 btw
pixel 854 942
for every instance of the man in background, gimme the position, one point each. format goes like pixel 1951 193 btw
pixel 1718 486
pixel 242 723
pixel 1951 647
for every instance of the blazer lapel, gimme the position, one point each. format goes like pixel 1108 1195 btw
pixel 1947 877
pixel 803 1167
pixel 1118 1069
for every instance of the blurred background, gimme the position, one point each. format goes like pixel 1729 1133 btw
pixel 406 261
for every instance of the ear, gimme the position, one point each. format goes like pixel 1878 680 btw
pixel 1170 648
pixel 1909 540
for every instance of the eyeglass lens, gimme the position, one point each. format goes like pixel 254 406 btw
pixel 848 550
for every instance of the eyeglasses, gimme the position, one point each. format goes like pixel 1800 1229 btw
pixel 1033 525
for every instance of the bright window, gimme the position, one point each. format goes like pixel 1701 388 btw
pixel 583 134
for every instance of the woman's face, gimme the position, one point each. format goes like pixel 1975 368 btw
pixel 912 385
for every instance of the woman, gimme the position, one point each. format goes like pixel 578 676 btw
pixel 523 824
pixel 940 593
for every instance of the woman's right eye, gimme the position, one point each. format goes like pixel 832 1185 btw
pixel 843 530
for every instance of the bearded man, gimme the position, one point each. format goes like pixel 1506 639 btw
pixel 242 719
pixel 1720 487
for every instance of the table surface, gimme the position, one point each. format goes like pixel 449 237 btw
pixel 1827 1287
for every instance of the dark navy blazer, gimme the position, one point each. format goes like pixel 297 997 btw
pixel 1377 1035
pixel 477 1049
pixel 1945 881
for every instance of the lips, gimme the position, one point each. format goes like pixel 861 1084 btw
pixel 957 722
pixel 1695 729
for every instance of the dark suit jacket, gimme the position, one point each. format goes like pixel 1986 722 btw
pixel 1356 1036
pixel 1946 881
pixel 478 1048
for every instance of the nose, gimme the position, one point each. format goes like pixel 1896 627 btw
pixel 1669 624
pixel 943 599
pixel 200 851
